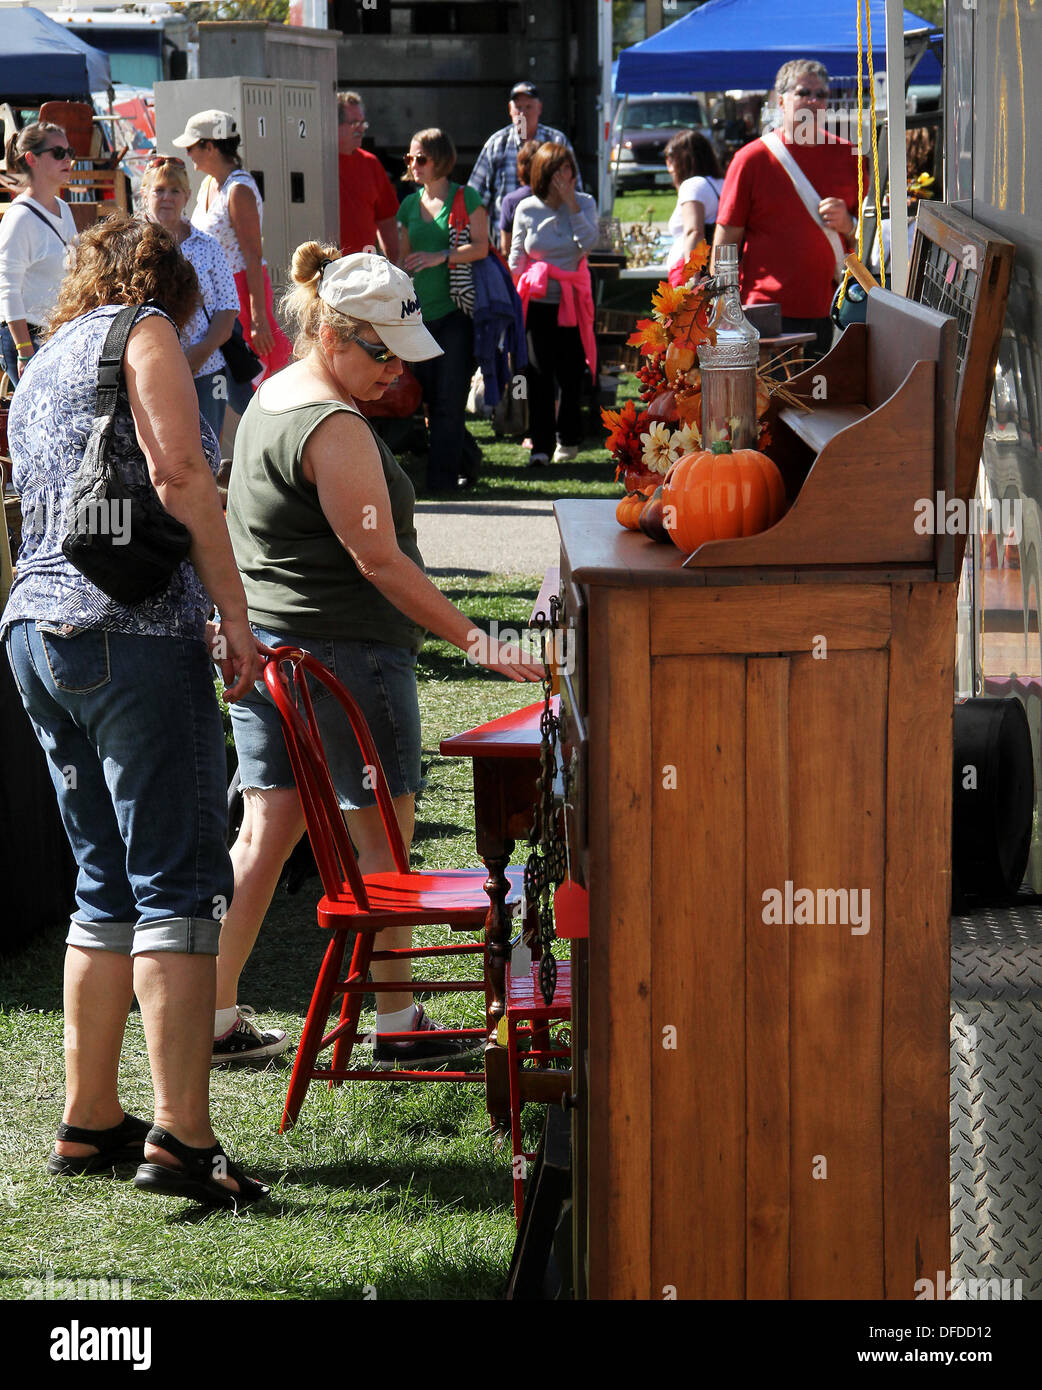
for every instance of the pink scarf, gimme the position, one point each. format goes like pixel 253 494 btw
pixel 576 300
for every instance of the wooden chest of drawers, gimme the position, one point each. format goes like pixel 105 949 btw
pixel 762 818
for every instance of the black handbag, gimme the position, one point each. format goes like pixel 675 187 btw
pixel 126 543
pixel 243 362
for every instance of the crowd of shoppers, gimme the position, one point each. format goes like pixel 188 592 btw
pixel 123 693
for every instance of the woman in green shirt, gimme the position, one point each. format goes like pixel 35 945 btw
pixel 424 252
pixel 321 520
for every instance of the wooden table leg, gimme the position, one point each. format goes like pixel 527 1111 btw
pixel 504 795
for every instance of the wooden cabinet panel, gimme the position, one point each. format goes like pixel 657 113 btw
pixel 698 967
pixel 918 944
pixel 837 767
pixel 767 981
pixel 770 620
pixel 620 953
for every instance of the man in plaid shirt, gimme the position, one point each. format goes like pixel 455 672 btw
pixel 495 170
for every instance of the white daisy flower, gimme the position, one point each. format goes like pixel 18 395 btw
pixel 658 450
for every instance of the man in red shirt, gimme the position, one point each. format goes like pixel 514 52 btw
pixel 368 206
pixel 787 254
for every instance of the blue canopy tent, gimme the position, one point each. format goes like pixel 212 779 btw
pixel 743 43
pixel 39 58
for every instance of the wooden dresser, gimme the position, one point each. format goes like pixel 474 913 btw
pixel 762 1099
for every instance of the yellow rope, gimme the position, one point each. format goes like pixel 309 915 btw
pixel 875 149
pixel 860 161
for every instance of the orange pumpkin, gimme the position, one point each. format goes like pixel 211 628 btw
pixel 627 513
pixel 717 494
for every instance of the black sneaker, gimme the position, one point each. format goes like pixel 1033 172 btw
pixel 246 1043
pixel 421 1054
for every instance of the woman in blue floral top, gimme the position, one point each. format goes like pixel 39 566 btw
pixel 122 701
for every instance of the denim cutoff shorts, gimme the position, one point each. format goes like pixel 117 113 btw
pixel 132 733
pixel 382 678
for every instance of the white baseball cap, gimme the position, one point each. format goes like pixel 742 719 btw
pixel 370 288
pixel 207 125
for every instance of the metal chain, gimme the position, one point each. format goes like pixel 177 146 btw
pixel 546 864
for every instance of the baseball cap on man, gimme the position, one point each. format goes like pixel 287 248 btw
pixel 207 125
pixel 370 288
pixel 524 89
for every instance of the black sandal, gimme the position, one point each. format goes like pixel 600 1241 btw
pixel 123 1143
pixel 196 1180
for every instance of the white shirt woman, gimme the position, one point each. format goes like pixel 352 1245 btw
pixel 704 191
pixel 35 234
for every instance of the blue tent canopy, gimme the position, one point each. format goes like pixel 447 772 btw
pixel 39 58
pixel 743 43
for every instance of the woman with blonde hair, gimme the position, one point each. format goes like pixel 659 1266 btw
pixel 321 519
pixel 35 234
pixel 164 195
pixel 122 694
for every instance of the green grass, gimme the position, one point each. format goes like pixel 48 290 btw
pixel 395 1186
pixel 505 472
pixel 633 207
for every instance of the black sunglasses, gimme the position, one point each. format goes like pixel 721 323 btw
pixel 377 351
pixel 59 151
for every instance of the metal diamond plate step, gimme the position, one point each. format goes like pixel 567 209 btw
pixel 996 1102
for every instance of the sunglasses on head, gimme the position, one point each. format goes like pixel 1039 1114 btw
pixel 157 160
pixel 816 94
pixel 59 151
pixel 377 351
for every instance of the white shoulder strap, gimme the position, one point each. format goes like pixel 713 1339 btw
pixel 808 195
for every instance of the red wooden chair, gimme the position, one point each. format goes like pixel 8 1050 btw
pixel 364 904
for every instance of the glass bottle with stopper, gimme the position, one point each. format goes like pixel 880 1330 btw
pixel 728 366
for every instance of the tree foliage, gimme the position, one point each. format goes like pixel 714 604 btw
pixel 274 11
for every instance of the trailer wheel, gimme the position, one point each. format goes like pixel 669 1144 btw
pixel 993 799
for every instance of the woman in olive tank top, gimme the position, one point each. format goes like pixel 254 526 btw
pixel 321 520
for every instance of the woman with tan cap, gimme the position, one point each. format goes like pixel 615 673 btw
pixel 231 210
pixel 321 520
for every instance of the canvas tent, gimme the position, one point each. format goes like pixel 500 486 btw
pixel 743 43
pixel 39 58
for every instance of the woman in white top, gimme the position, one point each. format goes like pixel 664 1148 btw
pixel 35 233
pixel 164 196
pixel 695 171
pixel 230 209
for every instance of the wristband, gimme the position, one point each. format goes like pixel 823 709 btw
pixel 19 346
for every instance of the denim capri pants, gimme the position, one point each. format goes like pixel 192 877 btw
pixel 132 733
pixel 381 677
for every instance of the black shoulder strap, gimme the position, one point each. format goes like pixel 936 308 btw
pixel 110 363
pixel 45 220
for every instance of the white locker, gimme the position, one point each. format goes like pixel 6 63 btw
pixel 260 122
pixel 303 155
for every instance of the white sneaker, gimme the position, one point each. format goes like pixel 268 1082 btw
pixel 246 1043
pixel 538 460
pixel 566 453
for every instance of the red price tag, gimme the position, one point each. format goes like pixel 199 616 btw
pixel 571 910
